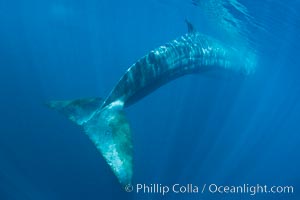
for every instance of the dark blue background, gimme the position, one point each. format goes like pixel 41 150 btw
pixel 198 129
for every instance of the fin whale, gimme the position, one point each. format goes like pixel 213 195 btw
pixel 104 120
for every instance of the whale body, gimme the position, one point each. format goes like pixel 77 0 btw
pixel 104 120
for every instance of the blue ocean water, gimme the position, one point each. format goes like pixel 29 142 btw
pixel 199 129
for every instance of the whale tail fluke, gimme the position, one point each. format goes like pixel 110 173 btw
pixel 79 110
pixel 107 128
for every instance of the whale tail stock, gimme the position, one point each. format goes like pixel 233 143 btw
pixel 106 127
